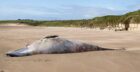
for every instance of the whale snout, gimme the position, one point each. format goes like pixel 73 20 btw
pixel 15 54
pixel 18 53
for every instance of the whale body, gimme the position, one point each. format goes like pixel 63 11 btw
pixel 54 45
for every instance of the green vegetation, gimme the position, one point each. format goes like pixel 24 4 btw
pixel 8 21
pixel 100 22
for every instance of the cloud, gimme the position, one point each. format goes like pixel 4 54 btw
pixel 133 7
pixel 26 12
pixel 63 12
pixel 83 12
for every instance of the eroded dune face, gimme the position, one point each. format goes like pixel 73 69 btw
pixel 54 44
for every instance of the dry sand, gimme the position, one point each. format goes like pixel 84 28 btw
pixel 15 37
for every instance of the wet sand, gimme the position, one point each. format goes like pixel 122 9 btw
pixel 15 37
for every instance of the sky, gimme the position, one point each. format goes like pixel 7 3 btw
pixel 64 9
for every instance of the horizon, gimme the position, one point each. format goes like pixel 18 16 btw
pixel 64 10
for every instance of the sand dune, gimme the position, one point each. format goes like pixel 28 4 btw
pixel 15 37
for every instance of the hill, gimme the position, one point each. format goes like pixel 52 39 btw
pixel 97 22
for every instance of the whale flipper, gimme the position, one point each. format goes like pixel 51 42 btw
pixel 18 53
pixel 51 36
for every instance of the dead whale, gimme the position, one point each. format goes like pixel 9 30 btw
pixel 54 44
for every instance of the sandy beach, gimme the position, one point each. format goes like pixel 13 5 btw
pixel 15 37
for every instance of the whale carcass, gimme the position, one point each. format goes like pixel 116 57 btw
pixel 54 44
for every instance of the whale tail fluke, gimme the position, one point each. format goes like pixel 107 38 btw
pixel 101 48
pixel 19 53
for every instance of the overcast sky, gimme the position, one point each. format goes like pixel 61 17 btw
pixel 64 9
